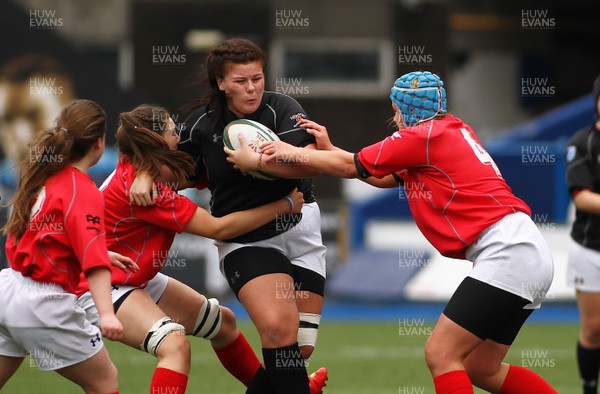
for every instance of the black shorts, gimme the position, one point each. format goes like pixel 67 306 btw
pixel 487 311
pixel 244 264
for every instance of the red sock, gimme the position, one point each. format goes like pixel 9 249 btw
pixel 453 382
pixel 168 381
pixel 523 380
pixel 239 359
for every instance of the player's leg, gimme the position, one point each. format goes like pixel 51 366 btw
pixel 310 306
pixel 96 375
pixel 206 319
pixel 8 366
pixel 583 274
pixel 147 327
pixel 276 319
pixel 11 353
pixel 262 280
pixel 445 350
pixel 75 351
pixel 309 299
pixel 303 244
pixel 588 346
pixel 485 366
pixel 472 337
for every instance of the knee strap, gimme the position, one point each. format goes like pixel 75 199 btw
pixel 208 322
pixel 157 334
pixel 309 326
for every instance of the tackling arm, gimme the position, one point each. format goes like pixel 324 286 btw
pixel 242 222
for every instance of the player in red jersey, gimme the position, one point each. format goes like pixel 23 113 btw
pixel 157 311
pixel 464 207
pixel 55 234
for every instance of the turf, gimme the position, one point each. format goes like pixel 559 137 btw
pixel 366 358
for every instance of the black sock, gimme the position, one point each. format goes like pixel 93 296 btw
pixel 588 361
pixel 260 383
pixel 286 370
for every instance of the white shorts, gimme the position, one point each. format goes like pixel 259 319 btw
pixel 583 269
pixel 155 288
pixel 302 244
pixel 42 320
pixel 513 255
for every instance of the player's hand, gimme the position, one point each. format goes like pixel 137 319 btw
pixel 281 152
pixel 298 199
pixel 111 327
pixel 143 190
pixel 245 158
pixel 320 133
pixel 123 263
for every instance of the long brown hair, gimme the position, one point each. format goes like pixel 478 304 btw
pixel 139 137
pixel 216 64
pixel 78 127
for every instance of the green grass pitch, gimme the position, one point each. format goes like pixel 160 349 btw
pixel 365 358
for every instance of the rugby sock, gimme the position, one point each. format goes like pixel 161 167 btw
pixel 453 382
pixel 168 381
pixel 239 359
pixel 588 361
pixel 260 384
pixel 523 380
pixel 286 370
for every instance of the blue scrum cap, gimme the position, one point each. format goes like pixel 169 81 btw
pixel 420 95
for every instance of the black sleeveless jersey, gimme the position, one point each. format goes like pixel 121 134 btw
pixel 583 172
pixel 231 191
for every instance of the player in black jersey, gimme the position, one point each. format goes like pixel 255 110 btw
pixel 583 273
pixel 277 271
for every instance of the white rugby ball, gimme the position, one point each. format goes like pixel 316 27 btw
pixel 255 134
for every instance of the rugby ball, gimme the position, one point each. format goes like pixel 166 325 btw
pixel 255 134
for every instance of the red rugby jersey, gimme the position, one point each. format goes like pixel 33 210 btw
pixel 452 185
pixel 144 234
pixel 65 237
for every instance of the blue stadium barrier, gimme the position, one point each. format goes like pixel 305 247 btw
pixel 376 275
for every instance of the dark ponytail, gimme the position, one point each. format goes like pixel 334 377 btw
pixel 216 64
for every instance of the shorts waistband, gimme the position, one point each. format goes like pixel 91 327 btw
pixel 38 286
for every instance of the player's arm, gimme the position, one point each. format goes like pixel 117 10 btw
pixel 100 286
pixel 587 201
pixel 123 263
pixel 289 170
pixel 580 175
pixel 143 190
pixel 389 181
pixel 323 142
pixel 84 226
pixel 336 162
pixel 284 168
pixel 237 223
